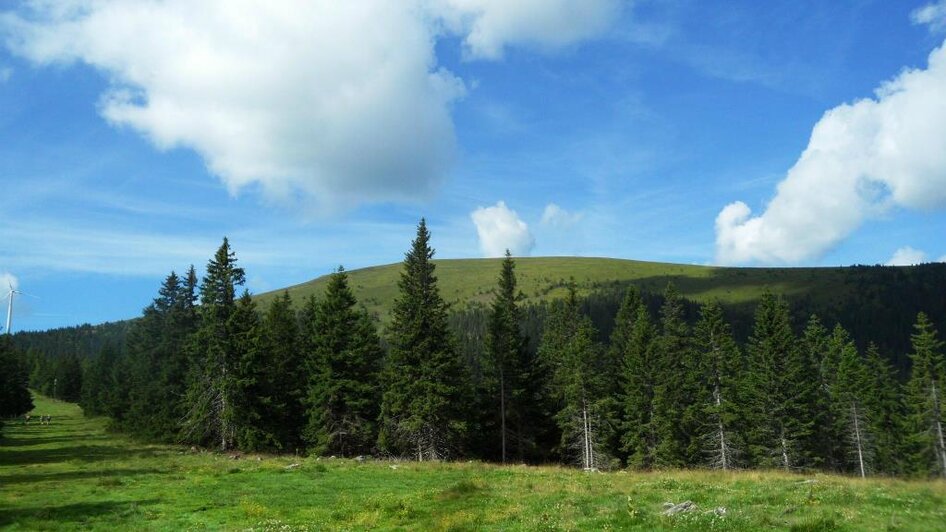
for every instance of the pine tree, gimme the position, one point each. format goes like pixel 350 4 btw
pixel 213 383
pixel 673 385
pixel 632 340
pixel 718 407
pixel 508 365
pixel 924 398
pixel 883 399
pixel 423 409
pixel 343 398
pixel 780 390
pixel 579 383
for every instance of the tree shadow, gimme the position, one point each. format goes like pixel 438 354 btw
pixel 76 475
pixel 70 513
pixel 81 453
pixel 27 442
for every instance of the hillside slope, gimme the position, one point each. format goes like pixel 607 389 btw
pixel 471 281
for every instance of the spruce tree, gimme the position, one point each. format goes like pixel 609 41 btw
pixel 252 404
pixel 343 395
pixel 674 384
pixel 508 366
pixel 282 376
pixel 883 398
pixel 579 381
pixel 924 398
pixel 817 343
pixel 849 402
pixel 633 340
pixel 718 404
pixel 158 360
pixel 427 387
pixel 781 386
pixel 212 389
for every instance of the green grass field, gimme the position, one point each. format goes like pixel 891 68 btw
pixel 471 281
pixel 72 474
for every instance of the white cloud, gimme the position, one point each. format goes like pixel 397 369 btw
pixel 941 259
pixel 339 101
pixel 932 14
pixel 862 159
pixel 6 281
pixel 489 26
pixel 555 216
pixel 499 228
pixel 907 256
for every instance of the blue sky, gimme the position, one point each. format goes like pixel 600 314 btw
pixel 134 135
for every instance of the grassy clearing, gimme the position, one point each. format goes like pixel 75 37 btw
pixel 73 475
pixel 471 281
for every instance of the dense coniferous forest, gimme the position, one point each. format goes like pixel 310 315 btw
pixel 623 377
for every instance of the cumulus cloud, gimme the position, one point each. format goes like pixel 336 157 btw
pixel 863 158
pixel 337 101
pixel 555 216
pixel 907 256
pixel 932 15
pixel 6 281
pixel 499 228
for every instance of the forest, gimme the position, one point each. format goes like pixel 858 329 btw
pixel 619 378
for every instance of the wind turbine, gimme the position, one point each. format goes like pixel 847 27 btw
pixel 13 292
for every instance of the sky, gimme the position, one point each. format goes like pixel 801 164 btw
pixel 136 134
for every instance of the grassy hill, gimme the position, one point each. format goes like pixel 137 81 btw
pixel 471 281
pixel 73 475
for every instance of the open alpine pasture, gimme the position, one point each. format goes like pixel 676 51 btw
pixel 73 474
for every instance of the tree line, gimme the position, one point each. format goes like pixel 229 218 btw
pixel 204 366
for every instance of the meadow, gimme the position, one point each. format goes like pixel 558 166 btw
pixel 74 475
pixel 466 282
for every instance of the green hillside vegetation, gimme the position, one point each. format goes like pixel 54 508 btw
pixel 73 475
pixel 471 281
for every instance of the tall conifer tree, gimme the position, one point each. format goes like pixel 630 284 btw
pixel 283 376
pixel 849 402
pixel 423 409
pixel 508 366
pixel 884 400
pixel 674 385
pixel 633 340
pixel 780 390
pixel 579 382
pixel 924 398
pixel 343 395
pixel 718 405
pixel 211 416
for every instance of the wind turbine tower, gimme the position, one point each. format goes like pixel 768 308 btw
pixel 10 295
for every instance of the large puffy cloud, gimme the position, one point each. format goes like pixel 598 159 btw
pixel 340 101
pixel 862 159
pixel 499 228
